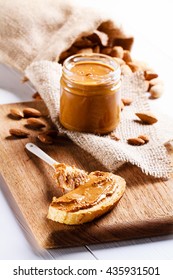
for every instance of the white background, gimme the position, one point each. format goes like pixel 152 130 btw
pixel 151 23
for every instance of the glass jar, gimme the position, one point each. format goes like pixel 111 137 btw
pixel 90 97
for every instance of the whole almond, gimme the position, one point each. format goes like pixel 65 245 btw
pixel 35 123
pixel 85 50
pixel 156 91
pixel 125 69
pixel 144 137
pixel 20 133
pixel 127 56
pixel 117 51
pixel 106 25
pixel 126 101
pixel 147 117
pixel 155 81
pixel 44 138
pixel 36 96
pixel 134 67
pixel 16 113
pixel 113 136
pixel 149 75
pixel 119 60
pixel 31 112
pixel 136 141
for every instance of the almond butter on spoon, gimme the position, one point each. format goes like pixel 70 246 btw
pixel 67 177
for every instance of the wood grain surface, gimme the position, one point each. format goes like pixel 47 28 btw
pixel 146 209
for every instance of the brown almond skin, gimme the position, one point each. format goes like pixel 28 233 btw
pixel 36 96
pixel 127 56
pixel 24 79
pixel 44 138
pixel 147 85
pixel 147 117
pixel 31 112
pixel 113 136
pixel 83 43
pixel 63 56
pixel 149 75
pixel 117 51
pixel 136 141
pixel 144 137
pixel 16 113
pixel 35 123
pixel 19 133
pixel 134 67
pixel 127 101
pixel 98 38
pixel 156 91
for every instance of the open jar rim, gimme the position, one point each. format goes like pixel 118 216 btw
pixel 111 77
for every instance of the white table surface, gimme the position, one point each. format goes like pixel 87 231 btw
pixel 151 23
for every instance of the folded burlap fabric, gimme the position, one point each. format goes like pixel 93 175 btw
pixel 37 32
pixel 152 158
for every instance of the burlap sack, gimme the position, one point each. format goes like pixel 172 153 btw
pixel 151 158
pixel 37 32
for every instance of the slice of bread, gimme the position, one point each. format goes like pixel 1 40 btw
pixel 62 209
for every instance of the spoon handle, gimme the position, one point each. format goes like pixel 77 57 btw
pixel 39 153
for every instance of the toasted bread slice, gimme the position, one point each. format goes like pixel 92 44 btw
pixel 96 197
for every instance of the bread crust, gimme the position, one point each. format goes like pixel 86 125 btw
pixel 89 214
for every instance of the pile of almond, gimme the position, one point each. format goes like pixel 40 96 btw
pixel 109 40
pixel 34 122
pixel 146 118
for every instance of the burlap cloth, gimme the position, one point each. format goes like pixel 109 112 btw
pixel 33 33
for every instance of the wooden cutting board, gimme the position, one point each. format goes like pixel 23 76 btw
pixel 146 209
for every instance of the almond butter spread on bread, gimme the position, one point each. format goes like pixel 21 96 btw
pixel 90 200
pixel 85 196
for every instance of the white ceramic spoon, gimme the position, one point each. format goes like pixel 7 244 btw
pixel 42 155
pixel 67 177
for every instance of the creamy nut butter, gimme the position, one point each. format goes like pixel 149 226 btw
pixel 99 186
pixel 90 96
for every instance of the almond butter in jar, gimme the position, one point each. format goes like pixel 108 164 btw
pixel 90 93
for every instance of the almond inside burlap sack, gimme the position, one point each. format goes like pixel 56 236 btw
pixel 38 32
